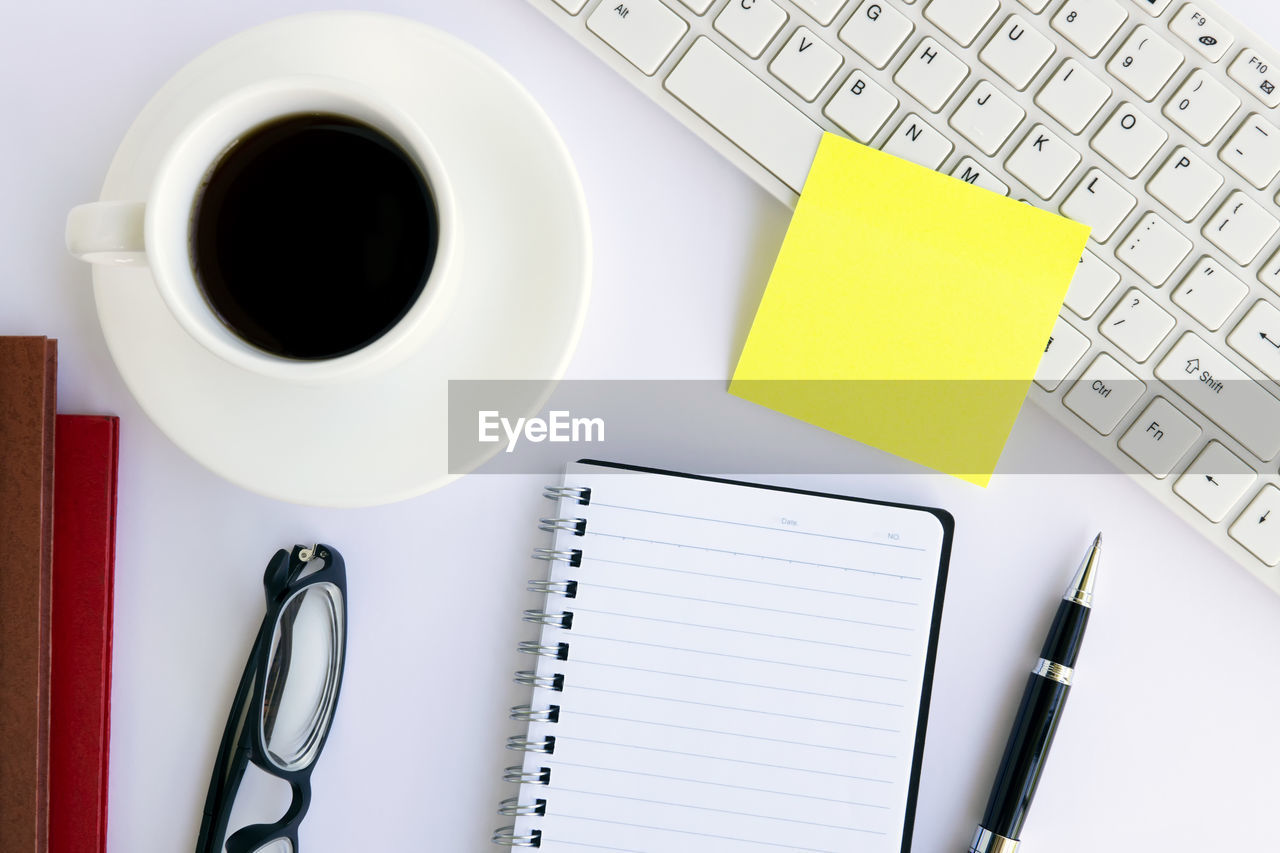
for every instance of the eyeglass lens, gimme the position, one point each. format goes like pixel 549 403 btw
pixel 302 679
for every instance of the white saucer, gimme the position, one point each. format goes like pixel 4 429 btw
pixel 517 314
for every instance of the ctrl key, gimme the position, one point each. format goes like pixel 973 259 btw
pixel 1104 394
pixel 1258 527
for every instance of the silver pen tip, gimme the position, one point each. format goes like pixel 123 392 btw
pixel 1081 589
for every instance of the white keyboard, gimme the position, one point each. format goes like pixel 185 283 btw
pixel 1153 121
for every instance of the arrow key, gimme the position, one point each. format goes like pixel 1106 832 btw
pixel 1215 481
pixel 1257 338
pixel 1258 527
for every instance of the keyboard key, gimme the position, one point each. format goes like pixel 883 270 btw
pixel 1269 273
pixel 1137 324
pixel 1100 203
pixel 1201 106
pixel 806 63
pixel 1090 285
pixel 1104 394
pixel 1160 437
pixel 1205 35
pixel 1089 24
pixel 1065 348
pixel 971 171
pixel 573 7
pixel 1153 7
pixel 822 11
pixel 1257 338
pixel 876 31
pixel 1035 5
pixel 932 74
pixel 751 27
pixel 699 6
pixel 1257 74
pixel 1206 379
pixel 1153 249
pixel 861 107
pixel 1254 151
pixel 916 141
pixel 749 113
pixel 1042 161
pixel 1210 293
pixel 1185 183
pixel 1017 51
pixel 1215 481
pixel 1145 62
pixel 986 118
pixel 1129 140
pixel 1258 527
pixel 1240 227
pixel 644 32
pixel 1073 96
pixel 961 19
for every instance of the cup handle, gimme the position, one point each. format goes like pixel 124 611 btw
pixel 107 232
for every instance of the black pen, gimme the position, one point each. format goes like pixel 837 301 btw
pixel 1038 716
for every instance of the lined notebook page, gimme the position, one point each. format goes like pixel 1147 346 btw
pixel 744 669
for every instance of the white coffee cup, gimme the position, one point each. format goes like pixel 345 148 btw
pixel 155 232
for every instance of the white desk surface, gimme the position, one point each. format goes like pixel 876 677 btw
pixel 1170 742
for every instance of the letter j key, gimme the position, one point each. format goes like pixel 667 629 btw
pixel 986 118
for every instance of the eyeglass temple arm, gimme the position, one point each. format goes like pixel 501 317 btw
pixel 228 770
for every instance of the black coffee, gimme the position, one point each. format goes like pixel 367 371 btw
pixel 313 236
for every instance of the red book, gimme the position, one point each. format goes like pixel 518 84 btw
pixel 84 544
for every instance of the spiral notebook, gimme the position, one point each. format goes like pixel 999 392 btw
pixel 726 666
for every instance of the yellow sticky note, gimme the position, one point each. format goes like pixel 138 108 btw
pixel 908 310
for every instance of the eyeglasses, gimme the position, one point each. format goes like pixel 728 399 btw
pixel 284 705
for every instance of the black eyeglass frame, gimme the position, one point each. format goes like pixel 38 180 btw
pixel 242 739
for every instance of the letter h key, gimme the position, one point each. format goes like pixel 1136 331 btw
pixel 931 73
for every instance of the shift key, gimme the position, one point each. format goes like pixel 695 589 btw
pixel 1203 377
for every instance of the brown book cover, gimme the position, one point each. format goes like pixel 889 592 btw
pixel 28 400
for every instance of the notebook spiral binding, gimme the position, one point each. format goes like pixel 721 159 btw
pixel 530 714
pixel 572 557
pixel 511 807
pixel 519 776
pixel 581 494
pixel 507 835
pixel 568 589
pixel 576 526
